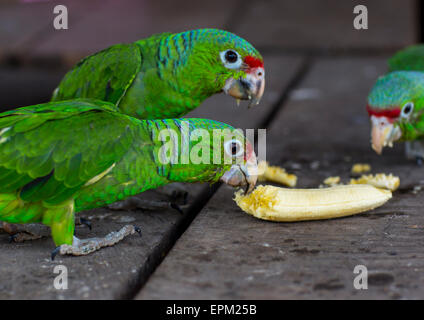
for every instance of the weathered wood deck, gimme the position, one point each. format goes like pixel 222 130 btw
pixel 319 71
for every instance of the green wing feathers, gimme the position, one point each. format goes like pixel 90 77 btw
pixel 49 152
pixel 49 155
pixel 105 75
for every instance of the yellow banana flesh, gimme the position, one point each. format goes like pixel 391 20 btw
pixel 359 168
pixel 379 180
pixel 276 174
pixel 332 181
pixel 283 204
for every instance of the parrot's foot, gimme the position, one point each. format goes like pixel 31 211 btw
pixel 82 247
pixel 32 231
pixel 143 204
pixel 25 232
pixel 415 151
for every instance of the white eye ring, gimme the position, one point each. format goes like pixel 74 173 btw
pixel 407 110
pixel 230 145
pixel 230 65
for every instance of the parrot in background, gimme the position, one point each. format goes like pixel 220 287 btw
pixel 409 59
pixel 168 75
pixel 59 158
pixel 396 104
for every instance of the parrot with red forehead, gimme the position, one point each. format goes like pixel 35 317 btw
pixel 396 104
pixel 168 75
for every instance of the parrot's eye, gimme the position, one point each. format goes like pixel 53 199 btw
pixel 407 109
pixel 231 59
pixel 231 56
pixel 233 148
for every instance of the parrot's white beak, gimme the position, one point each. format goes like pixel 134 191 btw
pixel 250 87
pixel 243 174
pixel 383 133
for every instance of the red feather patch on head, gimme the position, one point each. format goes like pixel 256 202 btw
pixel 389 113
pixel 253 62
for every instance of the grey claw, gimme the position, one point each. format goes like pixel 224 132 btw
pixel 55 252
pixel 12 238
pixel 86 222
pixel 138 230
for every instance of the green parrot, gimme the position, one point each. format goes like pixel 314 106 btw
pixel 168 75
pixel 59 158
pixel 409 59
pixel 396 104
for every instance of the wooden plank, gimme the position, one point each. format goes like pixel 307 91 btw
pixel 125 21
pixel 18 21
pixel 23 24
pixel 323 130
pixel 26 271
pixel 328 24
pixel 28 32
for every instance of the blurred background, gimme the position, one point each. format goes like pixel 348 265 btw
pixel 34 56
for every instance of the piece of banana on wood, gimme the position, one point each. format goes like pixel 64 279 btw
pixel 379 180
pixel 275 174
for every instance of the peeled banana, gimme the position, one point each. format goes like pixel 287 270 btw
pixel 282 204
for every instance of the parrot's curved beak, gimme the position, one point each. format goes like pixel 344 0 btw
pixel 242 175
pixel 251 87
pixel 383 133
